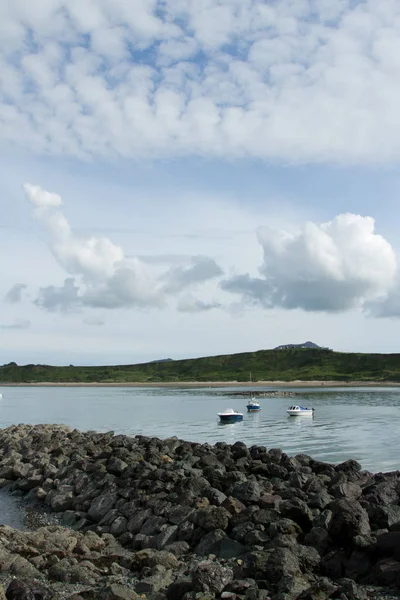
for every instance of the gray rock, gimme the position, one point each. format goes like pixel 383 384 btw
pixel 19 590
pixel 211 577
pixel 247 491
pixel 282 562
pixel 137 521
pixel 101 505
pixel 116 466
pixel 119 526
pixel 211 518
pixel 160 579
pixel 166 536
pixel 61 502
pixel 178 589
pixel 349 519
pixel 318 538
pixel 115 592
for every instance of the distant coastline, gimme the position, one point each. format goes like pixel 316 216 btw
pixel 211 384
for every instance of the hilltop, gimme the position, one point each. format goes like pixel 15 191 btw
pixel 305 364
pixel 304 345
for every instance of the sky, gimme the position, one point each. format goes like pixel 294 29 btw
pixel 192 178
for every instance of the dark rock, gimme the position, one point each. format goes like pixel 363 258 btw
pixel 297 511
pixel 387 572
pixel 349 519
pixel 116 592
pixel 351 590
pixel 18 590
pixel 333 564
pixel 211 577
pixel 383 516
pixel 178 589
pixel 282 562
pixel 318 538
pixel 211 518
pixel 160 579
pixel 358 565
pixel 348 490
pixel 322 589
pixel 116 466
pixel 101 505
pixel 388 544
pixel 247 492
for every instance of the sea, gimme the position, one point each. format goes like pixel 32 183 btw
pixel 358 423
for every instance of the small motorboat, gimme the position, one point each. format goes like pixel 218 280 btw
pixel 253 405
pixel 230 416
pixel 295 411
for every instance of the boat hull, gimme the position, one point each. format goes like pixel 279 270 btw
pixel 230 418
pixel 253 408
pixel 300 413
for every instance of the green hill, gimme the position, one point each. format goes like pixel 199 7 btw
pixel 269 365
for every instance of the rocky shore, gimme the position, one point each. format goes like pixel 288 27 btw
pixel 174 520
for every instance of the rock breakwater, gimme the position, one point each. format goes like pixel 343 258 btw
pixel 174 520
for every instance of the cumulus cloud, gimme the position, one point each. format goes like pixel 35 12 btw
pixel 14 295
pixel 202 269
pixel 387 307
pixel 335 266
pixel 63 299
pixel 235 78
pixel 100 275
pixel 40 197
pixel 17 324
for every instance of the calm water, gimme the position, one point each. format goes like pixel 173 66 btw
pixel 360 423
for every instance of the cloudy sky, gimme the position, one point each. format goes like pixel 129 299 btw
pixel 186 178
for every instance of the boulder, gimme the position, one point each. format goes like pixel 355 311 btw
pixel 349 519
pixel 211 577
pixel 101 505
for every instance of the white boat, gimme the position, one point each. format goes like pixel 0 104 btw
pixel 295 411
pixel 230 416
pixel 253 405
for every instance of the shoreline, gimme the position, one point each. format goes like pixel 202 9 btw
pixel 212 384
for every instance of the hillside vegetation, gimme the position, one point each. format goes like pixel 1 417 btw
pixel 270 365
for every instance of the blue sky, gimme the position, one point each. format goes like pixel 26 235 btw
pixel 207 178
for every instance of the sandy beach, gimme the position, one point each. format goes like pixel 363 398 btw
pixel 214 384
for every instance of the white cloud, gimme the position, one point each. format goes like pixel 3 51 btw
pixel 288 81
pixel 40 197
pixel 336 266
pixel 101 275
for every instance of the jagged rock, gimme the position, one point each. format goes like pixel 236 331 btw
pixel 159 579
pixel 281 563
pixel 211 518
pixel 211 577
pixel 19 590
pixel 178 589
pixel 101 505
pixel 349 519
pixel 246 492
